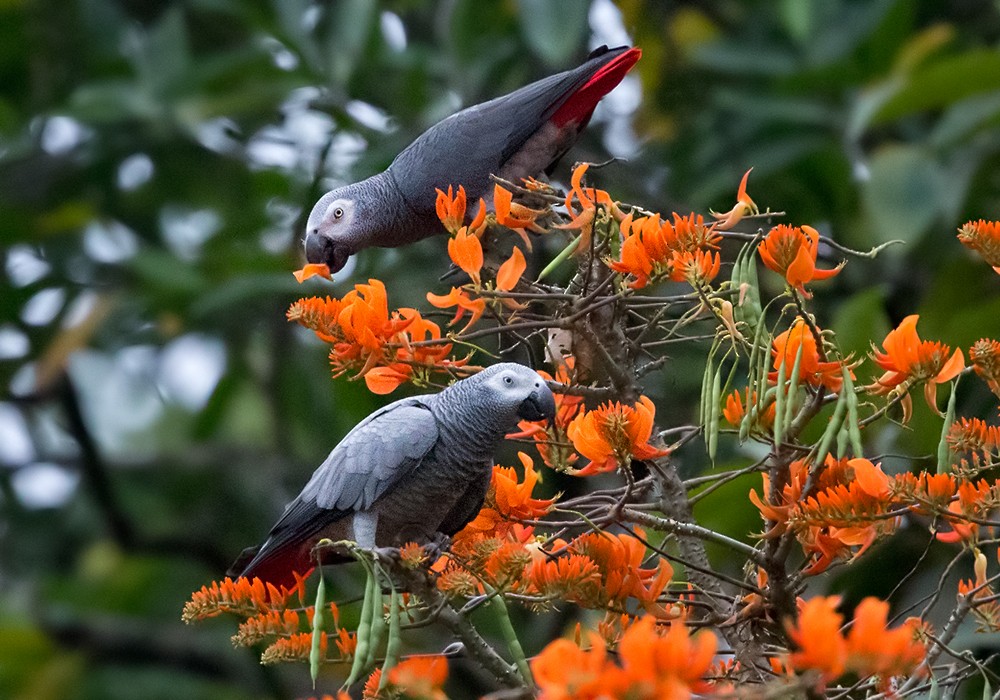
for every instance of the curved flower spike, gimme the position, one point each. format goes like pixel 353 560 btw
pixel 744 206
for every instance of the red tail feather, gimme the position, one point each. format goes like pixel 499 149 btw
pixel 277 568
pixel 581 103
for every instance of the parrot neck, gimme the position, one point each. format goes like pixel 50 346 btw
pixel 393 221
pixel 483 425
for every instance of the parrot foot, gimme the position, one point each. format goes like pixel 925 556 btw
pixel 328 551
pixel 437 544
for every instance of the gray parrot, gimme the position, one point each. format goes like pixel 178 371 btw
pixel 417 467
pixel 515 136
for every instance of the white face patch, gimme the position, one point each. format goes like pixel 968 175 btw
pixel 331 215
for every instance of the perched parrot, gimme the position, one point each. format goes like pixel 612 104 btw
pixel 417 467
pixel 515 136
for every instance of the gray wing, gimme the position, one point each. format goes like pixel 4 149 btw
pixel 469 145
pixel 373 457
pixel 370 459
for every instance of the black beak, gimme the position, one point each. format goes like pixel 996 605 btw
pixel 321 249
pixel 539 404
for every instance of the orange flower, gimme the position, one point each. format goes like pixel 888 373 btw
pixel 869 649
pixel 930 492
pixel 689 233
pixel 846 514
pixel 242 597
pixel 366 338
pixel 613 435
pixel 655 665
pixel 564 671
pixel 267 624
pixel 466 252
pixel 385 380
pixel 816 634
pixel 744 206
pixel 985 358
pixel 371 689
pixel 984 238
pixel 293 648
pixel 514 215
pixel 620 557
pixel 667 665
pixel 574 578
pixel 973 435
pixel 875 650
pixel 651 248
pixel 811 370
pixel 634 260
pixel 589 199
pixel 421 677
pixel 791 252
pixel 734 410
pixel 451 211
pixel 312 270
pixel 462 303
pixel 451 208
pixel 509 500
pixel 698 268
pixel 908 360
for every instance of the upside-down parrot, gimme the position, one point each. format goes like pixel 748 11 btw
pixel 515 136
pixel 418 467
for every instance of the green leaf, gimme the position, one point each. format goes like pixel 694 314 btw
pixel 944 82
pixel 554 29
pixel 902 195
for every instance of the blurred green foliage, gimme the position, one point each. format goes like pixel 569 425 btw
pixel 156 162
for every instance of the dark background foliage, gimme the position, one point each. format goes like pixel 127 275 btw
pixel 156 162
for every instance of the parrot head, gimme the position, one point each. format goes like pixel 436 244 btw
pixel 330 231
pixel 520 388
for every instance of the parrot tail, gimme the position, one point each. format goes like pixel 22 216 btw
pixel 580 105
pixel 275 565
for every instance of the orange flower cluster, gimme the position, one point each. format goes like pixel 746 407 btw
pixel 494 547
pixel 613 435
pixel 846 512
pixel 680 250
pixel 367 338
pixel 551 439
pixel 908 360
pixel 466 251
pixel 507 501
pixel 244 597
pixel 599 571
pixel 295 648
pixel 273 623
pixel 791 252
pixel 984 238
pixel 869 649
pixel 812 370
pixel 973 435
pixel 655 664
pixel 985 358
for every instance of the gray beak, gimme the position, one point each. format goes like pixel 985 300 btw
pixel 320 249
pixel 539 404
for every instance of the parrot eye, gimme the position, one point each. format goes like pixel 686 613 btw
pixel 508 380
pixel 338 213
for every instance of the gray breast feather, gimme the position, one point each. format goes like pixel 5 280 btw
pixel 373 457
